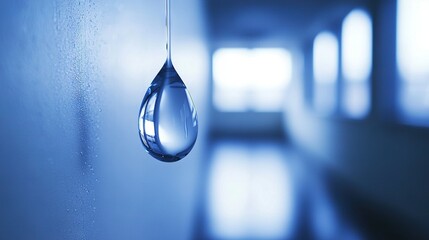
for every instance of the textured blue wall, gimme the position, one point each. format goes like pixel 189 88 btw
pixel 72 77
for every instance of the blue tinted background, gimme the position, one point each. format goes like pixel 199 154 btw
pixel 72 77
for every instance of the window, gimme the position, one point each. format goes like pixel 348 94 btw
pixel 413 59
pixel 250 79
pixel 325 69
pixel 356 56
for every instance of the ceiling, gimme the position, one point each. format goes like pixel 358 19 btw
pixel 274 22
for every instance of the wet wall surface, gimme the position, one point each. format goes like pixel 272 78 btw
pixel 72 77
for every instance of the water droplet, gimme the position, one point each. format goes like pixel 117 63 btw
pixel 168 120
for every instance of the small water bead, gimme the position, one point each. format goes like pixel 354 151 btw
pixel 168 122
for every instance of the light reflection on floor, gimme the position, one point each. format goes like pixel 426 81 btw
pixel 250 193
pixel 260 190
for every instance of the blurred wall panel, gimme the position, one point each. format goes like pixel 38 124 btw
pixel 385 160
pixel 72 77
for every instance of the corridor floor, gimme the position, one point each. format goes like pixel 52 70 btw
pixel 265 189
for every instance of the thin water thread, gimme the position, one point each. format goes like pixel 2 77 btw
pixel 168 26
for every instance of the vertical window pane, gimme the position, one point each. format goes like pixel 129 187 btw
pixel 413 58
pixel 325 64
pixel 356 55
pixel 250 79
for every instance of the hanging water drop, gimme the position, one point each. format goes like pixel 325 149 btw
pixel 168 122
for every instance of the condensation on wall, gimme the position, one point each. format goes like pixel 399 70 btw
pixel 72 77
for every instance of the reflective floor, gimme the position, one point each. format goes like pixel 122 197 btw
pixel 263 189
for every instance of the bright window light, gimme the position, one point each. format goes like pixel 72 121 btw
pixel 413 58
pixel 250 79
pixel 250 195
pixel 325 69
pixel 325 58
pixel 356 55
pixel 357 46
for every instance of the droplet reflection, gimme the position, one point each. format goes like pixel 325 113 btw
pixel 168 120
